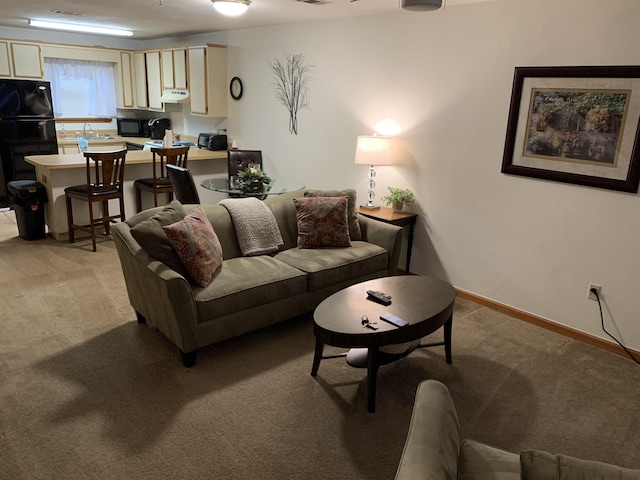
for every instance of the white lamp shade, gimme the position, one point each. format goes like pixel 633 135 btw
pixel 231 8
pixel 373 150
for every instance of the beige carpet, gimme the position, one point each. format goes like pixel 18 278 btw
pixel 86 392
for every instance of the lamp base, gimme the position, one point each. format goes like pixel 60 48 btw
pixel 370 207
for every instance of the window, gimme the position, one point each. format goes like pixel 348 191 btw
pixel 81 88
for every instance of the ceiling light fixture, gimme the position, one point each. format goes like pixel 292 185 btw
pixel 421 5
pixel 231 8
pixel 78 27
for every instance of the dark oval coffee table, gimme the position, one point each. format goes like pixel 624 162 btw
pixel 425 302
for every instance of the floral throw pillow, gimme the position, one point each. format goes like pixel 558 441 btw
pixel 322 222
pixel 197 245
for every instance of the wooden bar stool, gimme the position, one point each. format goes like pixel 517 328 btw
pixel 105 176
pixel 160 182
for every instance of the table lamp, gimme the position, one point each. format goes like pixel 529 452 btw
pixel 373 150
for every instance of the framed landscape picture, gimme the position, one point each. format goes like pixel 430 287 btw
pixel 575 124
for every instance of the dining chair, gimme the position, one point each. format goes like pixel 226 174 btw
pixel 160 182
pixel 105 177
pixel 241 159
pixel 183 185
pixel 238 160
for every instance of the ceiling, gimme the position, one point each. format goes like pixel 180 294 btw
pixel 165 18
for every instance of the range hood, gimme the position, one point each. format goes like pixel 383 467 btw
pixel 174 96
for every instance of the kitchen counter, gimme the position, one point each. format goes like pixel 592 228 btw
pixel 67 145
pixel 56 172
pixel 76 160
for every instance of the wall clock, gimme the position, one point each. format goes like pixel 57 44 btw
pixel 235 88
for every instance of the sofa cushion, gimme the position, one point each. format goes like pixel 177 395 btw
pixel 483 462
pixel 152 238
pixel 329 266
pixel 246 282
pixel 322 222
pixel 539 465
pixel 352 214
pixel 197 245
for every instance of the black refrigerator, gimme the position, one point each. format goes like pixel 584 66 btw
pixel 26 128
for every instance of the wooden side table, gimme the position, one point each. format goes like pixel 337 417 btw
pixel 403 219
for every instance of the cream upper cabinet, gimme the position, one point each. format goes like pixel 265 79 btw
pixel 26 60
pixel 174 68
pixel 126 80
pixel 180 68
pixel 154 80
pixel 168 80
pixel 5 65
pixel 140 71
pixel 208 80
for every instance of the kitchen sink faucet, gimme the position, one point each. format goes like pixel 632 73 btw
pixel 84 130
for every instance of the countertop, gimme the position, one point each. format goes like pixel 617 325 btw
pixel 76 160
pixel 115 139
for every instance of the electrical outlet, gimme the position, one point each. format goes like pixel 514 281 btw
pixel 590 294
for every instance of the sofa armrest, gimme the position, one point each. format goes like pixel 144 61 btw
pixel 432 448
pixel 160 294
pixel 386 236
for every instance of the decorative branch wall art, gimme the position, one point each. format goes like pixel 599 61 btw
pixel 292 85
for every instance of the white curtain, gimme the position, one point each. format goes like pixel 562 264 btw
pixel 81 88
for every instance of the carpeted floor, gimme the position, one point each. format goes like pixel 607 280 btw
pixel 86 392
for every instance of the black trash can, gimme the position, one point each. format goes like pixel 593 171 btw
pixel 27 198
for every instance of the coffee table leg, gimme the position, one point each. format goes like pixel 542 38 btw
pixel 317 357
pixel 447 339
pixel 372 376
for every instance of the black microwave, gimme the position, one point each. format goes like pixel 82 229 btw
pixel 132 127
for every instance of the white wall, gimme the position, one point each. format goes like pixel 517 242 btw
pixel 446 78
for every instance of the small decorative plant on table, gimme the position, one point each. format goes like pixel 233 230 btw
pixel 252 180
pixel 398 197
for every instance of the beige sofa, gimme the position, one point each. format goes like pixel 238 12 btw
pixel 248 293
pixel 434 450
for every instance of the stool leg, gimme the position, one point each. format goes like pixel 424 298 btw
pixel 70 219
pixel 122 216
pixel 105 217
pixel 92 226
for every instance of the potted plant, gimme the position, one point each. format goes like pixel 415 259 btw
pixel 398 197
pixel 252 180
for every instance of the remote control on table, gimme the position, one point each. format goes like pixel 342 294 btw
pixel 397 321
pixel 379 297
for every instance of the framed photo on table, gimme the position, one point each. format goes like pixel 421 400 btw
pixel 576 125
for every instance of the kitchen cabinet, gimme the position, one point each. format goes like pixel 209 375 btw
pixel 126 80
pixel 174 68
pixel 26 60
pixel 154 80
pixel 208 80
pixel 140 75
pixel 5 66
pixel 21 60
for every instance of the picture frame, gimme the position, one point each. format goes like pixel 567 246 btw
pixel 577 125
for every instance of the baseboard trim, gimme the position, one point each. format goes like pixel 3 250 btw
pixel 547 324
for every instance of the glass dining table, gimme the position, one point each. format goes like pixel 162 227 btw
pixel 276 187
